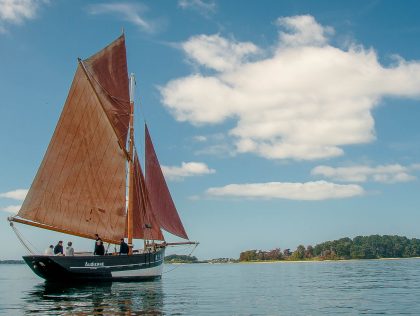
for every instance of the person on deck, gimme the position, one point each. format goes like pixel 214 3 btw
pixel 99 248
pixel 123 247
pixel 69 249
pixel 49 251
pixel 58 249
pixel 97 239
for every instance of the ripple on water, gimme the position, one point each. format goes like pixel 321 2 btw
pixel 313 288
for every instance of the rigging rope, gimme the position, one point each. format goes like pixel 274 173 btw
pixel 176 267
pixel 19 236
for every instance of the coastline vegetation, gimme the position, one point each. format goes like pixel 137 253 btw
pixel 193 259
pixel 180 259
pixel 12 261
pixel 360 247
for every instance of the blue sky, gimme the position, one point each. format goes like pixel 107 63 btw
pixel 277 123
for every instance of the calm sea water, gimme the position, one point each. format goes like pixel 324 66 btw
pixel 390 287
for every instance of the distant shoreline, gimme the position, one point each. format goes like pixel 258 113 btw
pixel 288 261
pixel 12 262
pixel 252 262
pixel 326 260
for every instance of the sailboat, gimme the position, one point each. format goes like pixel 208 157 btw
pixel 81 185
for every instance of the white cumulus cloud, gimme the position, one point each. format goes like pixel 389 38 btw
pixel 17 11
pixel 216 52
pixel 383 173
pixel 318 190
pixel 303 30
pixel 18 194
pixel 304 100
pixel 187 169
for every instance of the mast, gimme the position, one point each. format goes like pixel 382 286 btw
pixel 131 168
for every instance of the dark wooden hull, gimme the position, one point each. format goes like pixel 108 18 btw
pixel 137 267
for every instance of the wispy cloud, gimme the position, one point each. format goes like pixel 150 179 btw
pixel 129 12
pixel 200 138
pixel 304 100
pixel 18 194
pixel 187 169
pixel 219 150
pixel 18 11
pixel 205 8
pixel 11 209
pixel 216 144
pixel 383 173
pixel 308 191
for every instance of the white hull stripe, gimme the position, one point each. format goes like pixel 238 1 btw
pixel 120 265
pixel 149 272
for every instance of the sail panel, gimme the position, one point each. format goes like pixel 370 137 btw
pixel 107 70
pixel 80 185
pixel 160 197
pixel 145 225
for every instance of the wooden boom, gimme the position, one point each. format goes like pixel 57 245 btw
pixel 60 230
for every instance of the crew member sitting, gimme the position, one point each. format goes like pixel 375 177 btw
pixel 49 251
pixel 69 249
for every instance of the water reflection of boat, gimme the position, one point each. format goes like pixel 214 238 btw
pixel 80 187
pixel 103 298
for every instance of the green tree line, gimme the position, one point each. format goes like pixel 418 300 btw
pixel 180 259
pixel 360 247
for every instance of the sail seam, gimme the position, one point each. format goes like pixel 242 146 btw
pixel 161 200
pixel 49 148
pixel 122 146
pixel 79 146
pixel 116 99
pixel 78 150
pixel 144 193
pixel 116 197
pixel 59 131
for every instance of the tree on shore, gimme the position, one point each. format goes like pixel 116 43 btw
pixel 299 253
pixel 180 259
pixel 360 247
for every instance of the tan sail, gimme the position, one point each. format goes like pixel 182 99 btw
pixel 80 187
pixel 161 200
pixel 145 225
pixel 108 72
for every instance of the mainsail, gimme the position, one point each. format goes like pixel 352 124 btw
pixel 81 183
pixel 80 187
pixel 162 204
